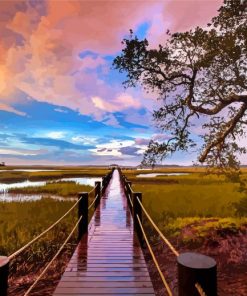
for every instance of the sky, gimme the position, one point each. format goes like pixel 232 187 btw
pixel 61 102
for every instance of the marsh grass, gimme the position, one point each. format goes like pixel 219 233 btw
pixel 22 221
pixel 15 176
pixel 58 188
pixel 177 201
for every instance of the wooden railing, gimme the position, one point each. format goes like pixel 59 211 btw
pixel 81 225
pixel 197 273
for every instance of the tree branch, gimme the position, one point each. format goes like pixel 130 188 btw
pixel 229 129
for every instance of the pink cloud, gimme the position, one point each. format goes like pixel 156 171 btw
pixel 121 102
pixel 40 46
pixel 181 15
pixel 8 108
pixel 142 141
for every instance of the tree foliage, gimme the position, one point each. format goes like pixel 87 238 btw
pixel 200 77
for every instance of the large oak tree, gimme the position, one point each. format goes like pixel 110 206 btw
pixel 200 76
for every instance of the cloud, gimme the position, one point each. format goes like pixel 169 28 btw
pixel 160 137
pixel 84 140
pixel 56 135
pixel 129 150
pixel 142 141
pixel 41 43
pixel 60 53
pixel 111 120
pixel 61 144
pixel 111 148
pixel 180 15
pixel 5 107
pixel 60 110
pixel 22 152
pixel 121 102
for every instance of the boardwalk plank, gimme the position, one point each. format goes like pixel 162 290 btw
pixel 109 260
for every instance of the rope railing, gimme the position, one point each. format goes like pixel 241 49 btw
pixel 175 252
pixel 200 289
pixel 82 224
pixel 93 202
pixel 168 289
pixel 43 233
pixel 137 207
pixel 53 259
pixel 51 226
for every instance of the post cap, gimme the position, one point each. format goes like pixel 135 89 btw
pixel 196 261
pixel 3 260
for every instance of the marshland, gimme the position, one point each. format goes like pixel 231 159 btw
pixel 195 210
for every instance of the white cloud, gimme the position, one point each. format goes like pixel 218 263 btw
pixel 60 110
pixel 56 135
pixel 84 140
pixel 16 152
pixel 112 148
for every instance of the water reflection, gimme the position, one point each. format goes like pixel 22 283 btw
pixel 30 170
pixel 82 254
pixel 5 196
pixel 83 181
pixel 152 175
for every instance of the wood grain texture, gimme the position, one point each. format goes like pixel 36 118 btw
pixel 109 259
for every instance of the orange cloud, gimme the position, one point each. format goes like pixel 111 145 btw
pixel 41 41
pixel 121 102
pixel 181 15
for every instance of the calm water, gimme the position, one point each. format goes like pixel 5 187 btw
pixel 29 170
pixel 5 196
pixel 152 175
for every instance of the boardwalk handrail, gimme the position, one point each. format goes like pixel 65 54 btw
pixel 52 260
pixel 93 202
pixel 167 242
pixel 135 200
pixel 4 261
pixel 43 233
pixel 168 289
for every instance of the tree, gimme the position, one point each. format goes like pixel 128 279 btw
pixel 200 76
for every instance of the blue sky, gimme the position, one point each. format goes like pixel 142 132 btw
pixel 60 100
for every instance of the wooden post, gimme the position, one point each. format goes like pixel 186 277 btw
pixel 103 184
pixel 83 211
pixel 137 210
pixel 97 193
pixel 4 272
pixel 196 268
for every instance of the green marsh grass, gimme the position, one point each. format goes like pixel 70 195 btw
pixel 177 201
pixel 15 176
pixel 22 221
pixel 58 188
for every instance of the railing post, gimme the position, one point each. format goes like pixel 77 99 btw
pixel 137 210
pixel 4 272
pixel 83 211
pixel 194 268
pixel 97 193
pixel 103 184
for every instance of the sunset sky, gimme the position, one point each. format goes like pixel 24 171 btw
pixel 60 100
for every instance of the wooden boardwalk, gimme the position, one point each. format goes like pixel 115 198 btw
pixel 109 260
